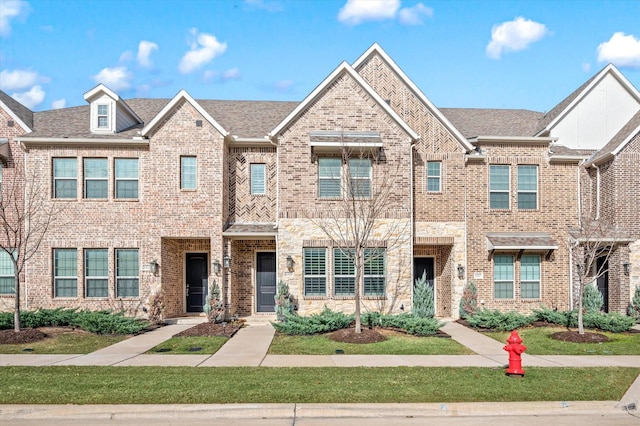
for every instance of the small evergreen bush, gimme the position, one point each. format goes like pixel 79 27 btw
pixel 323 322
pixel 282 298
pixel 469 300
pixel 423 303
pixel 613 321
pixel 213 307
pixel 634 306
pixel 553 317
pixel 501 321
pixel 592 300
pixel 410 323
pixel 156 307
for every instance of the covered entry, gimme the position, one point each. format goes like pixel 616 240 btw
pixel 266 281
pixel 196 281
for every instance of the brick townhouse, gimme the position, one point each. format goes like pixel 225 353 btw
pixel 173 194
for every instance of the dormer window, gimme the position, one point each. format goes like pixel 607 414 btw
pixel 103 116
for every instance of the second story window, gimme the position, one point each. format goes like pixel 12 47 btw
pixel 360 174
pixel 258 181
pixel 188 173
pixel 126 177
pixel 103 116
pixel 96 178
pixel 329 177
pixel 65 178
pixel 433 176
pixel 498 186
pixel 527 187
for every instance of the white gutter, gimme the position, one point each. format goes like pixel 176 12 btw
pixel 597 191
pixel 26 141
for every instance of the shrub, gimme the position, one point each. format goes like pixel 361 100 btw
pixel 213 307
pixel 156 307
pixel 423 304
pixel 501 321
pixel 282 298
pixel 410 323
pixel 323 322
pixel 634 306
pixel 592 300
pixel 469 300
pixel 613 321
pixel 553 317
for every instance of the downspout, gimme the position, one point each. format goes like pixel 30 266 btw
pixel 570 276
pixel 272 141
pixel 411 217
pixel 597 191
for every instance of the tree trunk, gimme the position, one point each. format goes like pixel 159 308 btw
pixel 16 312
pixel 580 325
pixel 357 288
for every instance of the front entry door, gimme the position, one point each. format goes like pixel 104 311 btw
pixel 422 264
pixel 266 281
pixel 602 264
pixel 196 285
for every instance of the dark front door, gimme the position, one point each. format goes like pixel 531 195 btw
pixel 602 266
pixel 422 264
pixel 196 285
pixel 266 281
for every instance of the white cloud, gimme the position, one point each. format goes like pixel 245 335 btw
pixel 116 78
pixel 284 85
pixel 126 56
pixel 59 103
pixel 264 5
pixel 621 50
pixel 230 74
pixel 514 35
pixel 586 67
pixel 10 9
pixel 413 15
pixel 19 79
pixel 31 98
pixel 145 48
pixel 358 11
pixel 203 50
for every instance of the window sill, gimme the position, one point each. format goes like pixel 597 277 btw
pixel 99 200
pixel 380 297
pixel 126 200
pixel 188 189
pixel 65 298
pixel 343 297
pixel 314 297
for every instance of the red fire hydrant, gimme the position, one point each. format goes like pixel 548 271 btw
pixel 515 349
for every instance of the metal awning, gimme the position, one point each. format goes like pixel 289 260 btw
pixel 521 241
pixel 4 150
pixel 336 141
pixel 251 231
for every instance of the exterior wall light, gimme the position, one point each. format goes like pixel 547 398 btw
pixel 216 267
pixel 289 263
pixel 460 271
pixel 626 267
pixel 153 266
pixel 226 262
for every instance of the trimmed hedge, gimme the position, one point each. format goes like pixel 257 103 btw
pixel 323 322
pixel 501 321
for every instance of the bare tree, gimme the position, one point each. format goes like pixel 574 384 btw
pixel 592 245
pixel 364 196
pixel 26 215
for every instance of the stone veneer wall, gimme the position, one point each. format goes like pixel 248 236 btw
pixel 242 275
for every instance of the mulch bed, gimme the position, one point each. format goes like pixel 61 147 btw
pixel 566 336
pixel 348 335
pixel 31 335
pixel 209 329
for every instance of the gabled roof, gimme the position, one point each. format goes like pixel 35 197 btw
pixel 618 142
pixel 343 68
pixel 376 49
pixel 101 88
pixel 20 113
pixel 182 95
pixel 567 104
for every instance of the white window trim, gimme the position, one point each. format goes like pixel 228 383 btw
pixel 117 179
pixel 507 191
pixel 264 179
pixel 106 178
pixel 362 178
pixel 305 275
pixel 439 176
pixel 88 278
pixel 126 277
pixel 64 277
pixel 529 191
pixel 330 178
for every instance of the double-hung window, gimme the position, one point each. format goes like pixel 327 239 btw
pixel 103 116
pixel 65 178
pixel 258 181
pixel 7 275
pixel 126 177
pixel 329 177
pixel 96 178
pixel 374 276
pixel 498 186
pixel 434 176
pixel 127 273
pixel 360 174
pixel 344 272
pixel 65 273
pixel 527 187
pixel 315 271
pixel 530 277
pixel 503 277
pixel 96 267
pixel 188 172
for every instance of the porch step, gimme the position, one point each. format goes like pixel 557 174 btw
pixel 259 319
pixel 186 320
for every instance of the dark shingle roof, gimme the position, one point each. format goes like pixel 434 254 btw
pixel 21 111
pixel 473 122
pixel 619 138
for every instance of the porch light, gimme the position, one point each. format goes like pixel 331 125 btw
pixel 460 271
pixel 226 262
pixel 153 266
pixel 626 266
pixel 289 263
pixel 216 267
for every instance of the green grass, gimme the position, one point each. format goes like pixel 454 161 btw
pixel 182 345
pixel 71 343
pixel 178 385
pixel 395 345
pixel 538 342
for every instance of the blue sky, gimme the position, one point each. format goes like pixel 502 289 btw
pixel 485 54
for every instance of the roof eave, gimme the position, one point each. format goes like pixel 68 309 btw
pixel 15 117
pixel 545 140
pixel 43 141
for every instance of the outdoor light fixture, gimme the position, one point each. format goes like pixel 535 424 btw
pixel 580 268
pixel 289 263
pixel 153 266
pixel 226 262
pixel 626 266
pixel 216 267
pixel 460 271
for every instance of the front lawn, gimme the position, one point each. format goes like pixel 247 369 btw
pixel 77 342
pixel 188 385
pixel 398 344
pixel 538 342
pixel 189 345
